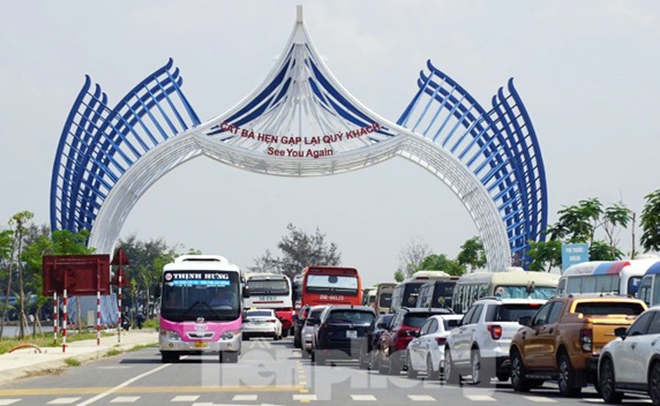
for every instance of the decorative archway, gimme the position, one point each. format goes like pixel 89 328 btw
pixel 302 122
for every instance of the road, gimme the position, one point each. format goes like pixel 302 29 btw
pixel 268 373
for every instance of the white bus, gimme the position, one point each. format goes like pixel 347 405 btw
pixel 271 291
pixel 611 277
pixel 649 288
pixel 512 283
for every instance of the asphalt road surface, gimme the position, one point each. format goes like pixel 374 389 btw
pixel 268 373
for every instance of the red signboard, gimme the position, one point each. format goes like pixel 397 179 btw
pixel 82 275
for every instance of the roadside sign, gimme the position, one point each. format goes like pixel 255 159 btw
pixel 573 254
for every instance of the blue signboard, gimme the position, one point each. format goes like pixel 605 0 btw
pixel 573 254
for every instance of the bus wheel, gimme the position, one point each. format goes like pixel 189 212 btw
pixel 228 357
pixel 169 357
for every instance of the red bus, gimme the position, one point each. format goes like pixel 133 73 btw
pixel 329 285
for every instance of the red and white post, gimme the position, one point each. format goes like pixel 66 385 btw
pixel 55 317
pixel 98 317
pixel 119 307
pixel 64 319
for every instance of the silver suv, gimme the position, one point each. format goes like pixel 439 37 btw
pixel 479 346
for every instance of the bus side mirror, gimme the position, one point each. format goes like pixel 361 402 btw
pixel 246 292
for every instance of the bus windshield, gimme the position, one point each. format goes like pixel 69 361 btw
pixel 268 286
pixel 190 295
pixel 523 292
pixel 332 284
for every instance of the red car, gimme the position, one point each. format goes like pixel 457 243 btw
pixel 403 328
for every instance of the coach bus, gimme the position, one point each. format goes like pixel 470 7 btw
pixel 609 277
pixel 512 283
pixel 649 288
pixel 200 309
pixel 406 293
pixel 271 291
pixel 384 292
pixel 437 293
pixel 330 285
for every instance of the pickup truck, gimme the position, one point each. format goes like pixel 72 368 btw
pixel 563 340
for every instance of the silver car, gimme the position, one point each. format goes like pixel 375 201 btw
pixel 309 328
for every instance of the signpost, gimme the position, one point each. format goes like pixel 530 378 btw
pixel 80 275
pixel 120 281
pixel 573 254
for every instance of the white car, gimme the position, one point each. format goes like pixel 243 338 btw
pixel 426 352
pixel 261 323
pixel 479 346
pixel 309 328
pixel 631 363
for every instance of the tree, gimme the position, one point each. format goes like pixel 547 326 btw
pixel 650 222
pixel 18 222
pixel 399 276
pixel 299 249
pixel 412 255
pixel 6 252
pixel 440 262
pixel 579 224
pixel 147 259
pixel 472 253
pixel 544 255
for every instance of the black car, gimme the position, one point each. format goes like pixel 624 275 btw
pixel 340 331
pixel 369 342
pixel 298 323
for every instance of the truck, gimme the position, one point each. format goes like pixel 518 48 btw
pixel 564 339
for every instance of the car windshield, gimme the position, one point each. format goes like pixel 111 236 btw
pixel 415 319
pixel 605 308
pixel 350 316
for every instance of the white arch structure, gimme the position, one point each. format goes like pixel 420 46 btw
pixel 299 122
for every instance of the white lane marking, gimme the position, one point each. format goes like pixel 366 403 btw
pixel 480 398
pixel 125 399
pixel 304 397
pixel 122 385
pixel 238 398
pixel 63 401
pixel 592 400
pixel 421 398
pixel 540 399
pixel 4 402
pixel 185 398
pixel 363 397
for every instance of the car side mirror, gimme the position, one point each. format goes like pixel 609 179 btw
pixel 621 332
pixel 525 320
pixel 416 333
pixel 246 292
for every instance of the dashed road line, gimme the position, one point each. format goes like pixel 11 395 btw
pixel 244 398
pixel 480 398
pixel 363 398
pixel 421 398
pixel 6 402
pixel 540 399
pixel 185 398
pixel 63 401
pixel 125 399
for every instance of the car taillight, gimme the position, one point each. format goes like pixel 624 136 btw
pixel 271 320
pixel 586 339
pixel 441 340
pixel 495 331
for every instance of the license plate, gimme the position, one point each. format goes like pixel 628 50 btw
pixel 351 334
pixel 200 344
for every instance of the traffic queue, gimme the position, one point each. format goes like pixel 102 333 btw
pixel 506 326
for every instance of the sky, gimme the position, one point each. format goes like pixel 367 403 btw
pixel 587 73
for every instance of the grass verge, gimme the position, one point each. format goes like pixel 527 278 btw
pixel 72 362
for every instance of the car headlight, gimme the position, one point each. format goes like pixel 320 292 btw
pixel 171 335
pixel 228 335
